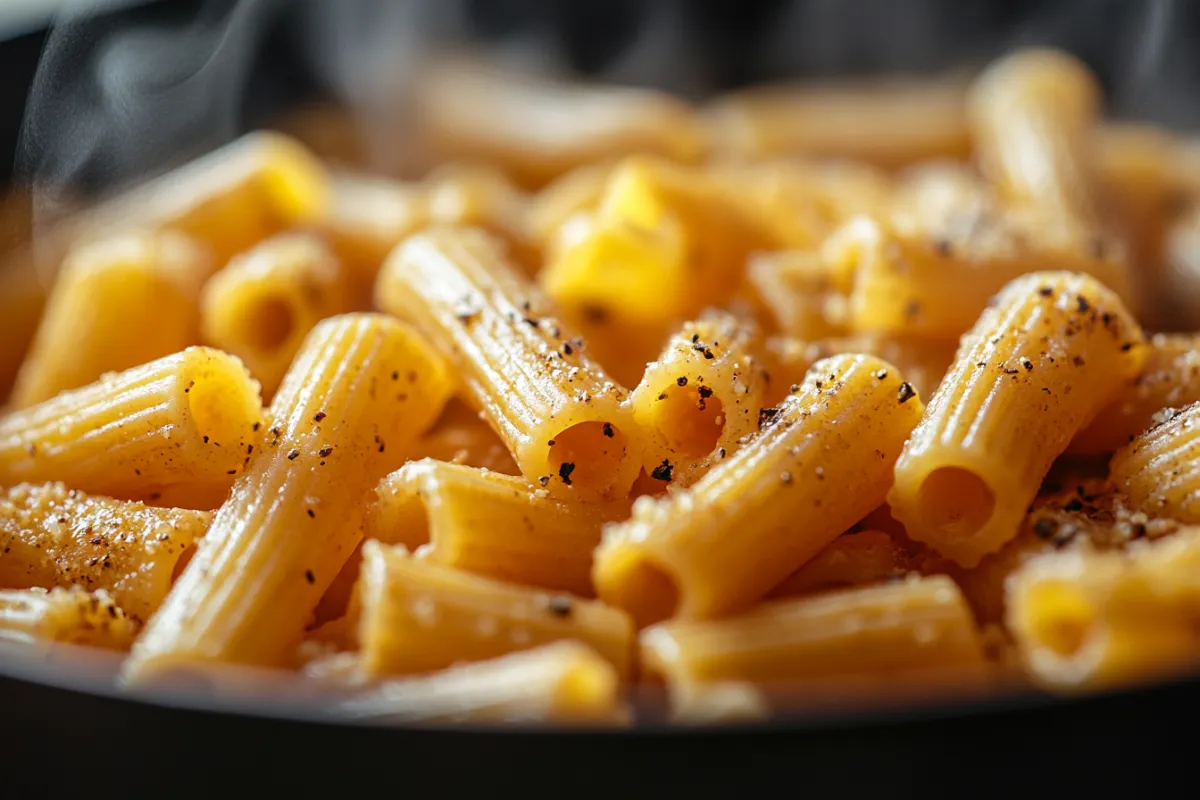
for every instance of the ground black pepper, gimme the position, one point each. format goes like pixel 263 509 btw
pixel 663 471
pixel 607 430
pixel 906 392
pixel 565 471
pixel 320 415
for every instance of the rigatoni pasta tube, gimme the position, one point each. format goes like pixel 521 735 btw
pixel 565 422
pixel 1159 471
pixel 562 683
pixel 419 616
pixel 1052 351
pixel 490 524
pixel 265 302
pixel 64 616
pixel 186 419
pixel 362 386
pixel 1090 620
pixel 116 303
pixel 259 185
pixel 1032 115
pixel 53 536
pixel 22 299
pixel 538 129
pixel 822 461
pixel 701 396
pixel 933 282
pixel 888 123
pixel 1170 378
pixel 877 632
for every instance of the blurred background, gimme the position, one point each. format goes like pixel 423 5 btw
pixel 93 94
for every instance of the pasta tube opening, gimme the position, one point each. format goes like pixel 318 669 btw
pixel 692 420
pixel 1065 618
pixel 647 590
pixel 955 501
pixel 221 397
pixel 587 454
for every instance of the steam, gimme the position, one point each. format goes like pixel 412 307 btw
pixel 118 97
pixel 115 99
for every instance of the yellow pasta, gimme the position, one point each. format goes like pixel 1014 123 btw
pixel 889 123
pixel 369 216
pixel 873 633
pixel 852 559
pixel 490 524
pixel 664 242
pixel 229 199
pixel 910 280
pixel 64 616
pixel 461 436
pixel 261 306
pixel 566 423
pixel 1090 620
pixel 1169 378
pixel 1052 351
pixel 700 397
pixel 1032 117
pixel 186 419
pixel 418 616
pixel 53 536
pixel 117 303
pixel 578 190
pixel 795 293
pixel 822 460
pixel 718 703
pixel 22 298
pixel 1158 471
pixel 362 388
pixel 563 683
pixel 538 129
pixel 922 361
pixel 801 202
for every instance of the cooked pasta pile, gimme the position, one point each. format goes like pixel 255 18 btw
pixel 806 391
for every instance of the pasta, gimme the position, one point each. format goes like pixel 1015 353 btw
pixel 418 616
pixel 825 456
pixel 184 419
pixel 1039 364
pixel 907 626
pixel 53 536
pixel 64 616
pixel 1169 378
pixel 591 406
pixel 116 304
pixel 1032 115
pixel 1092 620
pixel 490 524
pixel 538 130
pixel 843 119
pixel 261 306
pixel 566 423
pixel 701 396
pixel 360 385
pixel 1157 470
pixel 564 682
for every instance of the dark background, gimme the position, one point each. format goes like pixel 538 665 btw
pixel 1141 49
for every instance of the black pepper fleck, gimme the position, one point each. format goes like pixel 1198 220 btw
pixel 320 415
pixel 881 374
pixel 309 576
pixel 1045 528
pixel 766 416
pixel 324 452
pixel 663 471
pixel 607 430
pixel 564 472
pixel 681 380
pixel 906 392
pixel 292 456
pixel 312 514
pixel 544 480
pixel 1082 303
pixel 559 605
